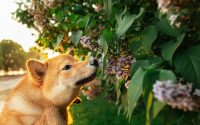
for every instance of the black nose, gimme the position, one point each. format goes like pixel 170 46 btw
pixel 94 62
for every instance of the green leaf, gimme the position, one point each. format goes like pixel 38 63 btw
pixel 140 14
pixel 187 63
pixel 135 44
pixel 149 79
pixel 118 16
pixel 164 27
pixel 108 7
pixel 168 49
pixel 145 64
pixel 108 35
pixel 60 15
pixel 104 45
pixel 118 86
pixel 173 118
pixel 149 109
pixel 135 47
pixel 135 89
pixel 125 22
pixel 73 17
pixel 157 107
pixel 138 64
pixel 83 22
pixel 59 39
pixel 87 20
pixel 75 37
pixel 148 37
pixel 167 75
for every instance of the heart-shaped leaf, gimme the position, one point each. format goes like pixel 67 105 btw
pixel 135 89
pixel 125 21
pixel 168 49
pixel 75 37
pixel 164 27
pixel 58 41
pixel 148 37
pixel 187 63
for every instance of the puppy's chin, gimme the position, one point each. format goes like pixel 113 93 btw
pixel 86 80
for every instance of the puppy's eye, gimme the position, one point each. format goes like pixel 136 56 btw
pixel 67 67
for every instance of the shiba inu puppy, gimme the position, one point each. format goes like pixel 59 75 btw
pixel 47 89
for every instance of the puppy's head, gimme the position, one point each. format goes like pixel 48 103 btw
pixel 61 77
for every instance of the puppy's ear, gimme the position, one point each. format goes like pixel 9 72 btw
pixel 71 52
pixel 36 70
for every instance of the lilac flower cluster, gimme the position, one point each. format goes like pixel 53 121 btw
pixel 40 20
pixel 163 5
pixel 86 41
pixel 38 12
pixel 97 7
pixel 49 3
pixel 39 9
pixel 127 83
pixel 174 20
pixel 175 9
pixel 120 66
pixel 175 5
pixel 177 95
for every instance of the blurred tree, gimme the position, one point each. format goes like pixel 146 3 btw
pixel 13 55
pixel 35 52
pixel 1 58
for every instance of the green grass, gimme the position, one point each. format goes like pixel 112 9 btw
pixel 100 112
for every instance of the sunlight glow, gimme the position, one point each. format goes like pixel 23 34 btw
pixel 11 29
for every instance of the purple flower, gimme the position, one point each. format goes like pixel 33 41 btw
pixel 177 95
pixel 120 66
pixel 86 41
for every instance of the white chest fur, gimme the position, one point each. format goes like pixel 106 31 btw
pixel 20 104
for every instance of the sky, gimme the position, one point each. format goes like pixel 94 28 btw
pixel 11 29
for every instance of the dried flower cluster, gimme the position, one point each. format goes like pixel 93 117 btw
pixel 177 95
pixel 120 66
pixel 39 16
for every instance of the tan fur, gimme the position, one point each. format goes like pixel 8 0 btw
pixel 45 91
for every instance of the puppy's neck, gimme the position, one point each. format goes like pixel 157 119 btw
pixel 27 101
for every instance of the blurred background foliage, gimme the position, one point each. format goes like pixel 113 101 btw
pixel 13 57
pixel 136 41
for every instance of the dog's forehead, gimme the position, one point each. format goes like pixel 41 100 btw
pixel 64 58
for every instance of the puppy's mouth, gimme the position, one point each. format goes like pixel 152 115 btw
pixel 86 80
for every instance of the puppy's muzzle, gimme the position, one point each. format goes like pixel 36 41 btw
pixel 94 62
